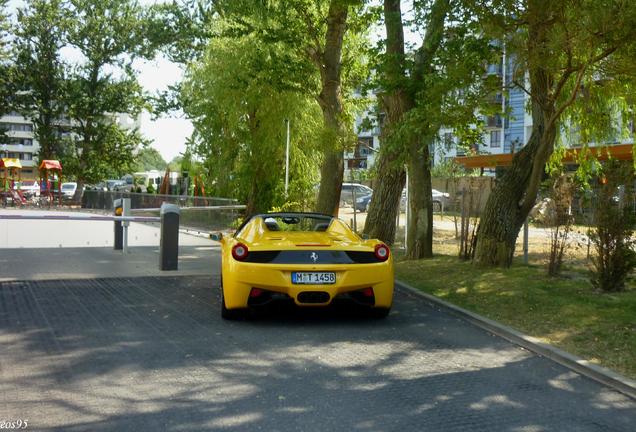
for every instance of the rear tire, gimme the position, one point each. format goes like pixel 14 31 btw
pixel 231 314
pixel 378 313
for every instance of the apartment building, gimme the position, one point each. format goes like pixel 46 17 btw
pixel 21 143
pixel 502 135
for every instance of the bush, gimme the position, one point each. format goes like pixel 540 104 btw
pixel 150 189
pixel 612 236
pixel 559 220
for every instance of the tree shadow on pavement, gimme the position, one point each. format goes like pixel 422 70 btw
pixel 153 354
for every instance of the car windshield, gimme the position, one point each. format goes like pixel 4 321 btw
pixel 68 186
pixel 296 222
pixel 28 183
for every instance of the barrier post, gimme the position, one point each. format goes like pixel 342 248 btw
pixel 125 224
pixel 118 242
pixel 169 241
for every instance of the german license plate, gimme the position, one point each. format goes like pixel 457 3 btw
pixel 313 278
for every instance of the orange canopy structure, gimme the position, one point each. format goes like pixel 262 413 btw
pixel 51 165
pixel 619 151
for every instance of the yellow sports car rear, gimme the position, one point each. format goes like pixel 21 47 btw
pixel 308 258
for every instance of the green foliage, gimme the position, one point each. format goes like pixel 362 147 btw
pixel 613 236
pixel 148 159
pixel 288 206
pixel 238 108
pixel 449 84
pixel 7 70
pixel 109 36
pixel 451 169
pixel 40 75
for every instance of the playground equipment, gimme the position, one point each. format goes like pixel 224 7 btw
pixel 11 170
pixel 51 180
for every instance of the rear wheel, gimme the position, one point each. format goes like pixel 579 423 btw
pixel 231 314
pixel 378 313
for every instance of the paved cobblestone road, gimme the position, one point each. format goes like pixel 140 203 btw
pixel 152 354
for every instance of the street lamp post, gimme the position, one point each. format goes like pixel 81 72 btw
pixel 287 160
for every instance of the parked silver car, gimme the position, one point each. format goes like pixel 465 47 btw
pixel 440 200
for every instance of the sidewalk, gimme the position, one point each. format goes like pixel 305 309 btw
pixel 40 250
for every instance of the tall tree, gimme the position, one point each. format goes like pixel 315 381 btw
pixel 440 84
pixel 327 57
pixel 7 69
pixel 40 73
pixel 323 41
pixel 108 34
pixel 238 102
pixel 564 48
pixel 148 159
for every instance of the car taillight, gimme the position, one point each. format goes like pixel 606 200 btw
pixel 239 252
pixel 381 252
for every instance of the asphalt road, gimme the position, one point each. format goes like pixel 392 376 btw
pixel 152 354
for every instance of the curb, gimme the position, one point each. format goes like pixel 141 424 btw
pixel 600 374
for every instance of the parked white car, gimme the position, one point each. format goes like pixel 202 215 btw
pixel 68 189
pixel 30 188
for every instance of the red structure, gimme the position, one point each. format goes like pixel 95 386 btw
pixel 51 180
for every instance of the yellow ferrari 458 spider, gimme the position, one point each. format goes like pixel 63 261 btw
pixel 309 258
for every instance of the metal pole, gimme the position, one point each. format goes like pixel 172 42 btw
pixel 525 242
pixel 503 97
pixel 355 222
pixel 287 160
pixel 406 220
pixel 126 224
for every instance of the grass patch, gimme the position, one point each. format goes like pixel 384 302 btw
pixel 564 311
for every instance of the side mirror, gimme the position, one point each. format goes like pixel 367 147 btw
pixel 365 237
pixel 216 236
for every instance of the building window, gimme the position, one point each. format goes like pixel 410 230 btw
pixel 365 143
pixel 357 163
pixel 493 121
pixel 362 150
pixel 448 141
pixel 19 141
pixel 17 127
pixel 26 156
pixel 495 138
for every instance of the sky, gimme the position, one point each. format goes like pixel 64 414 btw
pixel 168 134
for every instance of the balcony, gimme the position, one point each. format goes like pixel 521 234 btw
pixel 494 121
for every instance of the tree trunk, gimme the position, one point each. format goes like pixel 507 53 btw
pixel 514 195
pixel 332 169
pixel 399 100
pixel 384 207
pixel 505 212
pixel 331 174
pixel 420 220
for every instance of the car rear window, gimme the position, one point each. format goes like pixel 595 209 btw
pixel 297 223
pixel 28 183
